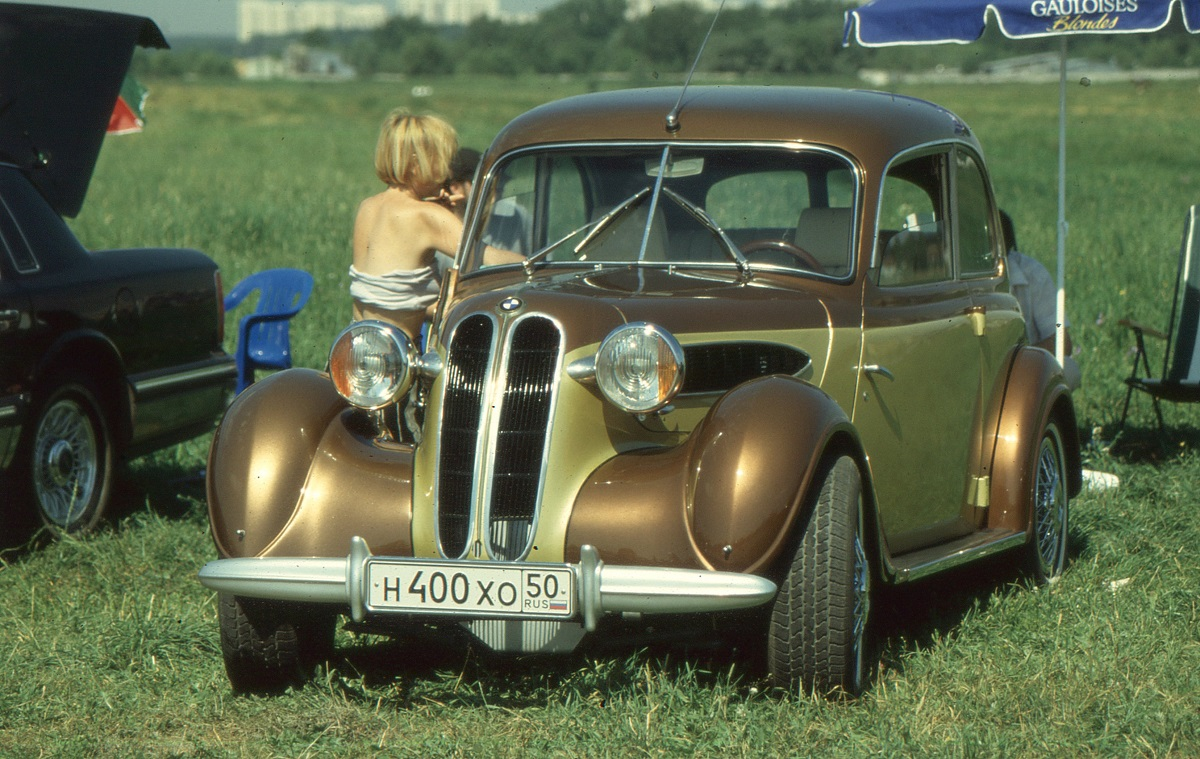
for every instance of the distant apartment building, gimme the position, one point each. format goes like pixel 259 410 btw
pixel 273 18
pixel 639 8
pixel 268 18
pixel 447 12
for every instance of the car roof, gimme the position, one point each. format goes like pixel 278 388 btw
pixel 874 126
pixel 60 72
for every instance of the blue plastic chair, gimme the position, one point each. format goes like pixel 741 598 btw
pixel 263 340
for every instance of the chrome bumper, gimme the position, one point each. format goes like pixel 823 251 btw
pixel 600 589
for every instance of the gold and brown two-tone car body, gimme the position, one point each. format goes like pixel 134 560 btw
pixel 758 353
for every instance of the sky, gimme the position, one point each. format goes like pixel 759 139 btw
pixel 185 18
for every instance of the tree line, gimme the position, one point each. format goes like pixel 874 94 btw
pixel 594 36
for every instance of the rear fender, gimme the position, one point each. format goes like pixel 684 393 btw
pixel 726 499
pixel 293 471
pixel 1034 394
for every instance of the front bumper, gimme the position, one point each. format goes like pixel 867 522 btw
pixel 599 589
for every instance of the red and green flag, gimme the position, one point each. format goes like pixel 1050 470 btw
pixel 127 116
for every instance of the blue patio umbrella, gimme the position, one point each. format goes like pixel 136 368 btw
pixel 927 22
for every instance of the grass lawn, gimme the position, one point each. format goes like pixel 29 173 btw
pixel 110 644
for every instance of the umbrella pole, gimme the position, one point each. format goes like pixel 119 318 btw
pixel 1061 305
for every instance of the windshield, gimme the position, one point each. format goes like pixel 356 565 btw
pixel 725 206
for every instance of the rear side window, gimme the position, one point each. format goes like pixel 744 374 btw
pixel 977 239
pixel 34 237
pixel 15 245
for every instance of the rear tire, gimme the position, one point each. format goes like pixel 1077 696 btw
pixel 268 646
pixel 819 637
pixel 1049 508
pixel 71 453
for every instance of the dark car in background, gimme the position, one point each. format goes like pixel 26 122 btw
pixel 103 354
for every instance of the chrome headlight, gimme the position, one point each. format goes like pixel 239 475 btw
pixel 371 364
pixel 639 367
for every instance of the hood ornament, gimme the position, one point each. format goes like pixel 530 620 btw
pixel 510 304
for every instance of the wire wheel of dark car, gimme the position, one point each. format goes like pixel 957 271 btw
pixel 70 459
pixel 268 645
pixel 1048 548
pixel 818 639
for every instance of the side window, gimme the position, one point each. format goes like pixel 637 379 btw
pixel 912 233
pixel 976 237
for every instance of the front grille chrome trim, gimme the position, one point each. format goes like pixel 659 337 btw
pixel 468 388
pixel 526 392
pixel 495 430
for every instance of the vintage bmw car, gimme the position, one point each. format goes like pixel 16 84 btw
pixel 103 354
pixel 760 358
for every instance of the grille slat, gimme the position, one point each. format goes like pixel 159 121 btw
pixel 466 382
pixel 720 367
pixel 521 442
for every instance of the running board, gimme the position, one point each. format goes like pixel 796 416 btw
pixel 929 561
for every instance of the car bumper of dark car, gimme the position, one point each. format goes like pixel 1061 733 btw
pixel 181 402
pixel 596 588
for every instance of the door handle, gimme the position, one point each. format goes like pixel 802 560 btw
pixel 882 371
pixel 10 319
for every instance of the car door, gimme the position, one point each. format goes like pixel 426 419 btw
pixel 16 355
pixel 980 251
pixel 919 395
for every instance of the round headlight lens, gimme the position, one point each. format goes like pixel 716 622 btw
pixel 639 367
pixel 371 364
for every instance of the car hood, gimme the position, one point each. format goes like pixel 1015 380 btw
pixel 590 303
pixel 60 73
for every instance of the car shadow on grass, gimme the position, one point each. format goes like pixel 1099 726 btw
pixel 410 672
pixel 908 620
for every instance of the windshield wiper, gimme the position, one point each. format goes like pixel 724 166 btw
pixel 596 227
pixel 700 215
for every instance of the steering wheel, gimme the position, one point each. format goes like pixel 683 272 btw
pixel 803 257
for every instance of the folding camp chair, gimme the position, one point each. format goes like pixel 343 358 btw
pixel 1180 381
pixel 263 336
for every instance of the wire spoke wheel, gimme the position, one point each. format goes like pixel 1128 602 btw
pixel 1050 507
pixel 71 460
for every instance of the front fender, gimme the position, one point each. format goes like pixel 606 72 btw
pixel 1035 393
pixel 727 498
pixel 293 472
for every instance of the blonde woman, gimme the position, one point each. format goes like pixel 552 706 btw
pixel 398 231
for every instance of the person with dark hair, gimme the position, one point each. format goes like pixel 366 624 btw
pixel 1033 287
pixel 399 231
pixel 462 175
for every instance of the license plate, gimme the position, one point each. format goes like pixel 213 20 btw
pixel 476 589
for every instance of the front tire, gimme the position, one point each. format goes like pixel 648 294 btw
pixel 268 646
pixel 819 627
pixel 70 465
pixel 1047 550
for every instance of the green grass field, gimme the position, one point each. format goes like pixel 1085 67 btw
pixel 109 644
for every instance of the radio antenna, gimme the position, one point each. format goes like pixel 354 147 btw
pixel 673 116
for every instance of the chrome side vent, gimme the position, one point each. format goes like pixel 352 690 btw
pixel 468 363
pixel 718 367
pixel 522 436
